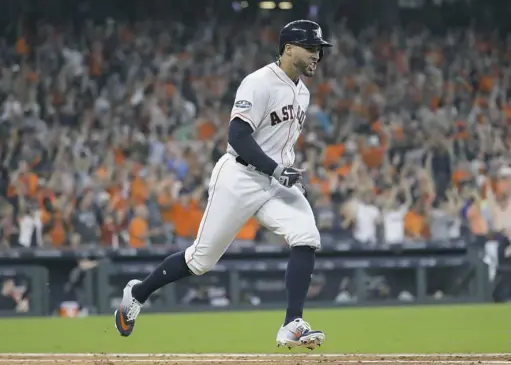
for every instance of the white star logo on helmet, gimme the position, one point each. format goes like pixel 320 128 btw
pixel 318 33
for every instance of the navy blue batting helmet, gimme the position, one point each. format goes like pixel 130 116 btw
pixel 305 33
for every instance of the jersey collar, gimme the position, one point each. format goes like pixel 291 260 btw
pixel 283 76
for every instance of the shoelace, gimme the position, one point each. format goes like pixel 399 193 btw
pixel 134 310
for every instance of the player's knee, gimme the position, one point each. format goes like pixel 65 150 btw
pixel 309 237
pixel 199 268
pixel 198 262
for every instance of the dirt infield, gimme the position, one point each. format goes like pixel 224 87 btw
pixel 251 359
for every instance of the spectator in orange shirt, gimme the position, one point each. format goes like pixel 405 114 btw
pixel 187 213
pixel 165 200
pixel 373 152
pixel 139 230
pixel 56 224
pixel 24 180
pixel 139 190
pixel 416 223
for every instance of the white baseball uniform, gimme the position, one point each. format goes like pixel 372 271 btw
pixel 275 107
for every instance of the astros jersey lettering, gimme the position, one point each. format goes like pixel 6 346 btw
pixel 275 108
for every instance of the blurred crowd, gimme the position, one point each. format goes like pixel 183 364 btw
pixel 108 137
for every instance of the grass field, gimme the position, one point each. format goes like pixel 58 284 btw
pixel 435 329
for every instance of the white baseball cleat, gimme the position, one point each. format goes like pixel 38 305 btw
pixel 129 310
pixel 299 333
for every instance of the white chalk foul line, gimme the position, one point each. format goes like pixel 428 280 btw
pixel 32 358
pixel 236 356
pixel 240 361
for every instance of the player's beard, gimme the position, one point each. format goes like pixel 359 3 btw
pixel 308 67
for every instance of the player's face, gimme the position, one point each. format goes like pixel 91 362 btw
pixel 305 59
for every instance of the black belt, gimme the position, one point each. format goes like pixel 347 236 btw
pixel 245 163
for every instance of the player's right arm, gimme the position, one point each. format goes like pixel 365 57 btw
pixel 250 108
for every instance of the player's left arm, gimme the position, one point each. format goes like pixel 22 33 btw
pixel 240 138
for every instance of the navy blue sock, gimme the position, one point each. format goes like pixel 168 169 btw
pixel 298 278
pixel 173 268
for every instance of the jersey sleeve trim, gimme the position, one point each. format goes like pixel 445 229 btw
pixel 245 119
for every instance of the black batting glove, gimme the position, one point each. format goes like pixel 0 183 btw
pixel 287 176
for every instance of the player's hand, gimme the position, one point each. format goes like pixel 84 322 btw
pixel 287 176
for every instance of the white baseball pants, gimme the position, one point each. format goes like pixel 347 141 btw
pixel 237 193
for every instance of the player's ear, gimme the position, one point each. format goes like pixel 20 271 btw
pixel 288 49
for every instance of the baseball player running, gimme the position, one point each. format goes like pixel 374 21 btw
pixel 256 178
